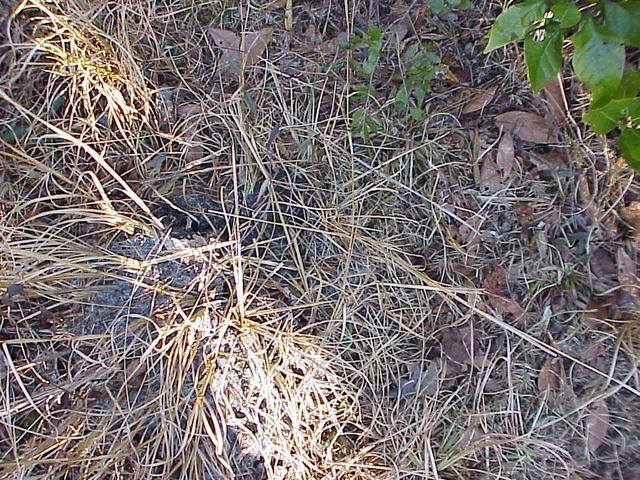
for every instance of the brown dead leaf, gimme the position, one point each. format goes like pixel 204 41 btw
pixel 596 314
pixel 591 207
pixel 627 272
pixel 496 280
pixel 554 98
pixel 495 174
pixel 506 155
pixel 549 377
pixel 528 127
pixel 507 306
pixel 490 177
pixel 479 99
pixel 596 425
pixel 458 345
pixel 552 161
pixel 254 44
pixel 239 52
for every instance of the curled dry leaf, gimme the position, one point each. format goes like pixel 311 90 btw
pixel 549 377
pixel 479 99
pixel 587 200
pixel 596 425
pixel 554 98
pixel 528 127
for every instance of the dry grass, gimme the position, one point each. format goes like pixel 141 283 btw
pixel 208 277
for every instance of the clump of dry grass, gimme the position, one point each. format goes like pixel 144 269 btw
pixel 206 276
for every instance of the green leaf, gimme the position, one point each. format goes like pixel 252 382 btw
pixel 629 85
pixel 13 134
pixel 623 19
pixel 566 13
pixel 417 114
pixel 604 119
pixel 466 5
pixel 402 98
pixel 629 145
pixel 598 60
pixel 512 24
pixel 437 6
pixel 420 92
pixel 543 58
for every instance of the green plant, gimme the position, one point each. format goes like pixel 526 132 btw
pixel 442 7
pixel 362 120
pixel 421 67
pixel 600 32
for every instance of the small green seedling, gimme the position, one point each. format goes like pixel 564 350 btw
pixel 422 66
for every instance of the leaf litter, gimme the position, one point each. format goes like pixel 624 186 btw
pixel 239 52
pixel 528 127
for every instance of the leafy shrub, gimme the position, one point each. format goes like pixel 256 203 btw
pixel 600 32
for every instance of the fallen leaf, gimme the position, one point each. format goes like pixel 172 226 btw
pixel 529 127
pixel 479 100
pixel 239 52
pixel 551 161
pixel 254 44
pixel 458 345
pixel 496 280
pixel 549 377
pixel 602 263
pixel 587 200
pixel 505 157
pixel 490 176
pixel 627 277
pixel 507 306
pixel 554 98
pixel 596 425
